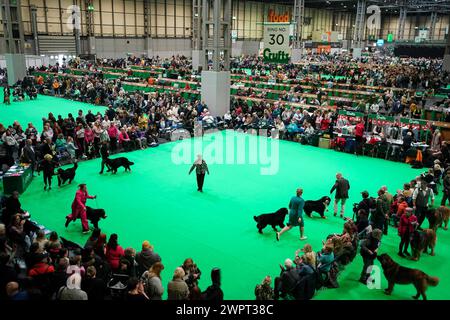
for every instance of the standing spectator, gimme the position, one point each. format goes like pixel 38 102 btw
pixel 147 257
pixel 359 136
pixel 381 212
pixel 152 281
pixel 405 229
pixel 341 186
pixel 421 198
pixel 214 293
pixel 446 191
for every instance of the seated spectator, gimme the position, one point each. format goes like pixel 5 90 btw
pixel 72 289
pixel 264 291
pixel 125 141
pixel 114 252
pixel 61 143
pixel 325 259
pixel 286 282
pixel 15 294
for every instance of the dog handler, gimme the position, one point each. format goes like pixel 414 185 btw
pixel 79 207
pixel 200 168
pixel 295 215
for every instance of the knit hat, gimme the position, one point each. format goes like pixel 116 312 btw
pixel 146 245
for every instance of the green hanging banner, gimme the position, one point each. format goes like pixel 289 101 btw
pixel 414 122
pixel 381 118
pixel 351 114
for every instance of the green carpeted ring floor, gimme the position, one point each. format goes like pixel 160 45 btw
pixel 158 202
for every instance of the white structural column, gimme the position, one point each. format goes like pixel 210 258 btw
pixel 360 26
pixel 89 6
pixel 147 29
pixel 402 22
pixel 434 19
pixel 297 45
pixel 198 60
pixel 447 56
pixel 216 41
pixel 11 15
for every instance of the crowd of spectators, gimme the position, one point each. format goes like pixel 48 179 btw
pixel 35 265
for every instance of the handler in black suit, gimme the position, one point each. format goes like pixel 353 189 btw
pixel 29 155
pixel 104 152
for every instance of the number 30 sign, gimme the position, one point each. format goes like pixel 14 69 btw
pixel 276 43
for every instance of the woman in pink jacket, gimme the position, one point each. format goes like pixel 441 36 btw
pixel 79 207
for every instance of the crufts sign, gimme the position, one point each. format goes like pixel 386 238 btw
pixel 276 43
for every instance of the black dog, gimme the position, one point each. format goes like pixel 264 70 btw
pixel 68 174
pixel 94 215
pixel 114 164
pixel 273 219
pixel 318 206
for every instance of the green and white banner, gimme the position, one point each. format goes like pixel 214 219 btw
pixel 276 43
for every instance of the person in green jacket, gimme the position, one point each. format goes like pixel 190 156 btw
pixel 295 215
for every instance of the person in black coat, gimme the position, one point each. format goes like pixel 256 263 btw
pixel 47 166
pixel 214 292
pixel 93 286
pixel 368 251
pixel 7 274
pixel 12 206
pixel 288 279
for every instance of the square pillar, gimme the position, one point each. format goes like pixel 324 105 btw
pixel 446 65
pixel 357 53
pixel 197 56
pixel 16 66
pixel 91 45
pixel 296 55
pixel 215 91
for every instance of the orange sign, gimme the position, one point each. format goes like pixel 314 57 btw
pixel 323 49
pixel 274 17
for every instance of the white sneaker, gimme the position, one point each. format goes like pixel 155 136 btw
pixel 303 238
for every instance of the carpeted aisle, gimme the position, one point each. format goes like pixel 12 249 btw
pixel 158 202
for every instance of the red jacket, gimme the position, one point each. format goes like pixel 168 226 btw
pixel 80 200
pixel 406 224
pixel 401 208
pixel 113 256
pixel 40 268
pixel 359 130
